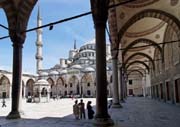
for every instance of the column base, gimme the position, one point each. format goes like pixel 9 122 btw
pixel 103 122
pixel 14 115
pixel 116 105
pixel 122 101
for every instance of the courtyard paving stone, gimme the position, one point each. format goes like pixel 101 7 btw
pixel 136 112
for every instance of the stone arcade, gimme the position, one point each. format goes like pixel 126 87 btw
pixel 145 51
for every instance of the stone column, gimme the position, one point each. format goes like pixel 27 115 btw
pixel 144 86
pixel 20 100
pixel 100 13
pixel 10 92
pixel 39 94
pixel 116 103
pixel 121 84
pixel 18 41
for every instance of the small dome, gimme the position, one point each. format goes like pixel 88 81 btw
pixel 43 73
pixel 93 41
pixel 77 66
pixel 63 72
pixel 89 69
pixel 42 82
pixel 54 73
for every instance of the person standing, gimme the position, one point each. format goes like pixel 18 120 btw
pixel 82 110
pixel 76 110
pixel 90 110
pixel 3 103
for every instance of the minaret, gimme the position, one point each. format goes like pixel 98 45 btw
pixel 74 44
pixel 39 43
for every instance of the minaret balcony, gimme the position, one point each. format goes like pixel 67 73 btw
pixel 39 57
pixel 39 44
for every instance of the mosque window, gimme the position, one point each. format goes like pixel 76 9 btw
pixel 70 84
pixel 88 92
pixel 65 85
pixel 88 84
pixel 130 82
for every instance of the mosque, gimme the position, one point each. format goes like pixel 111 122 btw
pixel 74 76
pixel 143 57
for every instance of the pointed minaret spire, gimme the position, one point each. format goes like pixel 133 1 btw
pixel 39 14
pixel 75 44
pixel 39 42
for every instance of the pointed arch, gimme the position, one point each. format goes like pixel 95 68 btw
pixel 4 87
pixel 18 14
pixel 141 54
pixel 142 40
pixel 137 61
pixel 164 16
pixel 135 71
pixel 29 87
pixel 51 81
pixel 137 68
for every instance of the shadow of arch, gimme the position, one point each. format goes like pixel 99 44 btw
pixel 141 54
pixel 137 61
pixel 164 16
pixel 143 40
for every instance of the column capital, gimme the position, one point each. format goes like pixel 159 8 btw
pixel 17 37
pixel 99 10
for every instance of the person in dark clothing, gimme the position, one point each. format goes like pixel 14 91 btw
pixel 3 103
pixel 90 110
pixel 82 110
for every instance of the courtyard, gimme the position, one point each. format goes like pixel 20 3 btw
pixel 136 112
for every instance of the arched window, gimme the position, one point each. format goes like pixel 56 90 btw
pixel 88 92
pixel 65 85
pixel 88 84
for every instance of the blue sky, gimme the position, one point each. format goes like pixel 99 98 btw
pixel 57 42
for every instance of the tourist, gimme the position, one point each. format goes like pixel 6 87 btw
pixel 82 110
pixel 90 110
pixel 76 110
pixel 110 103
pixel 3 103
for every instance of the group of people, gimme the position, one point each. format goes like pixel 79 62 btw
pixel 79 110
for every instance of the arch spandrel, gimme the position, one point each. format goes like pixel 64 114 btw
pixel 18 13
